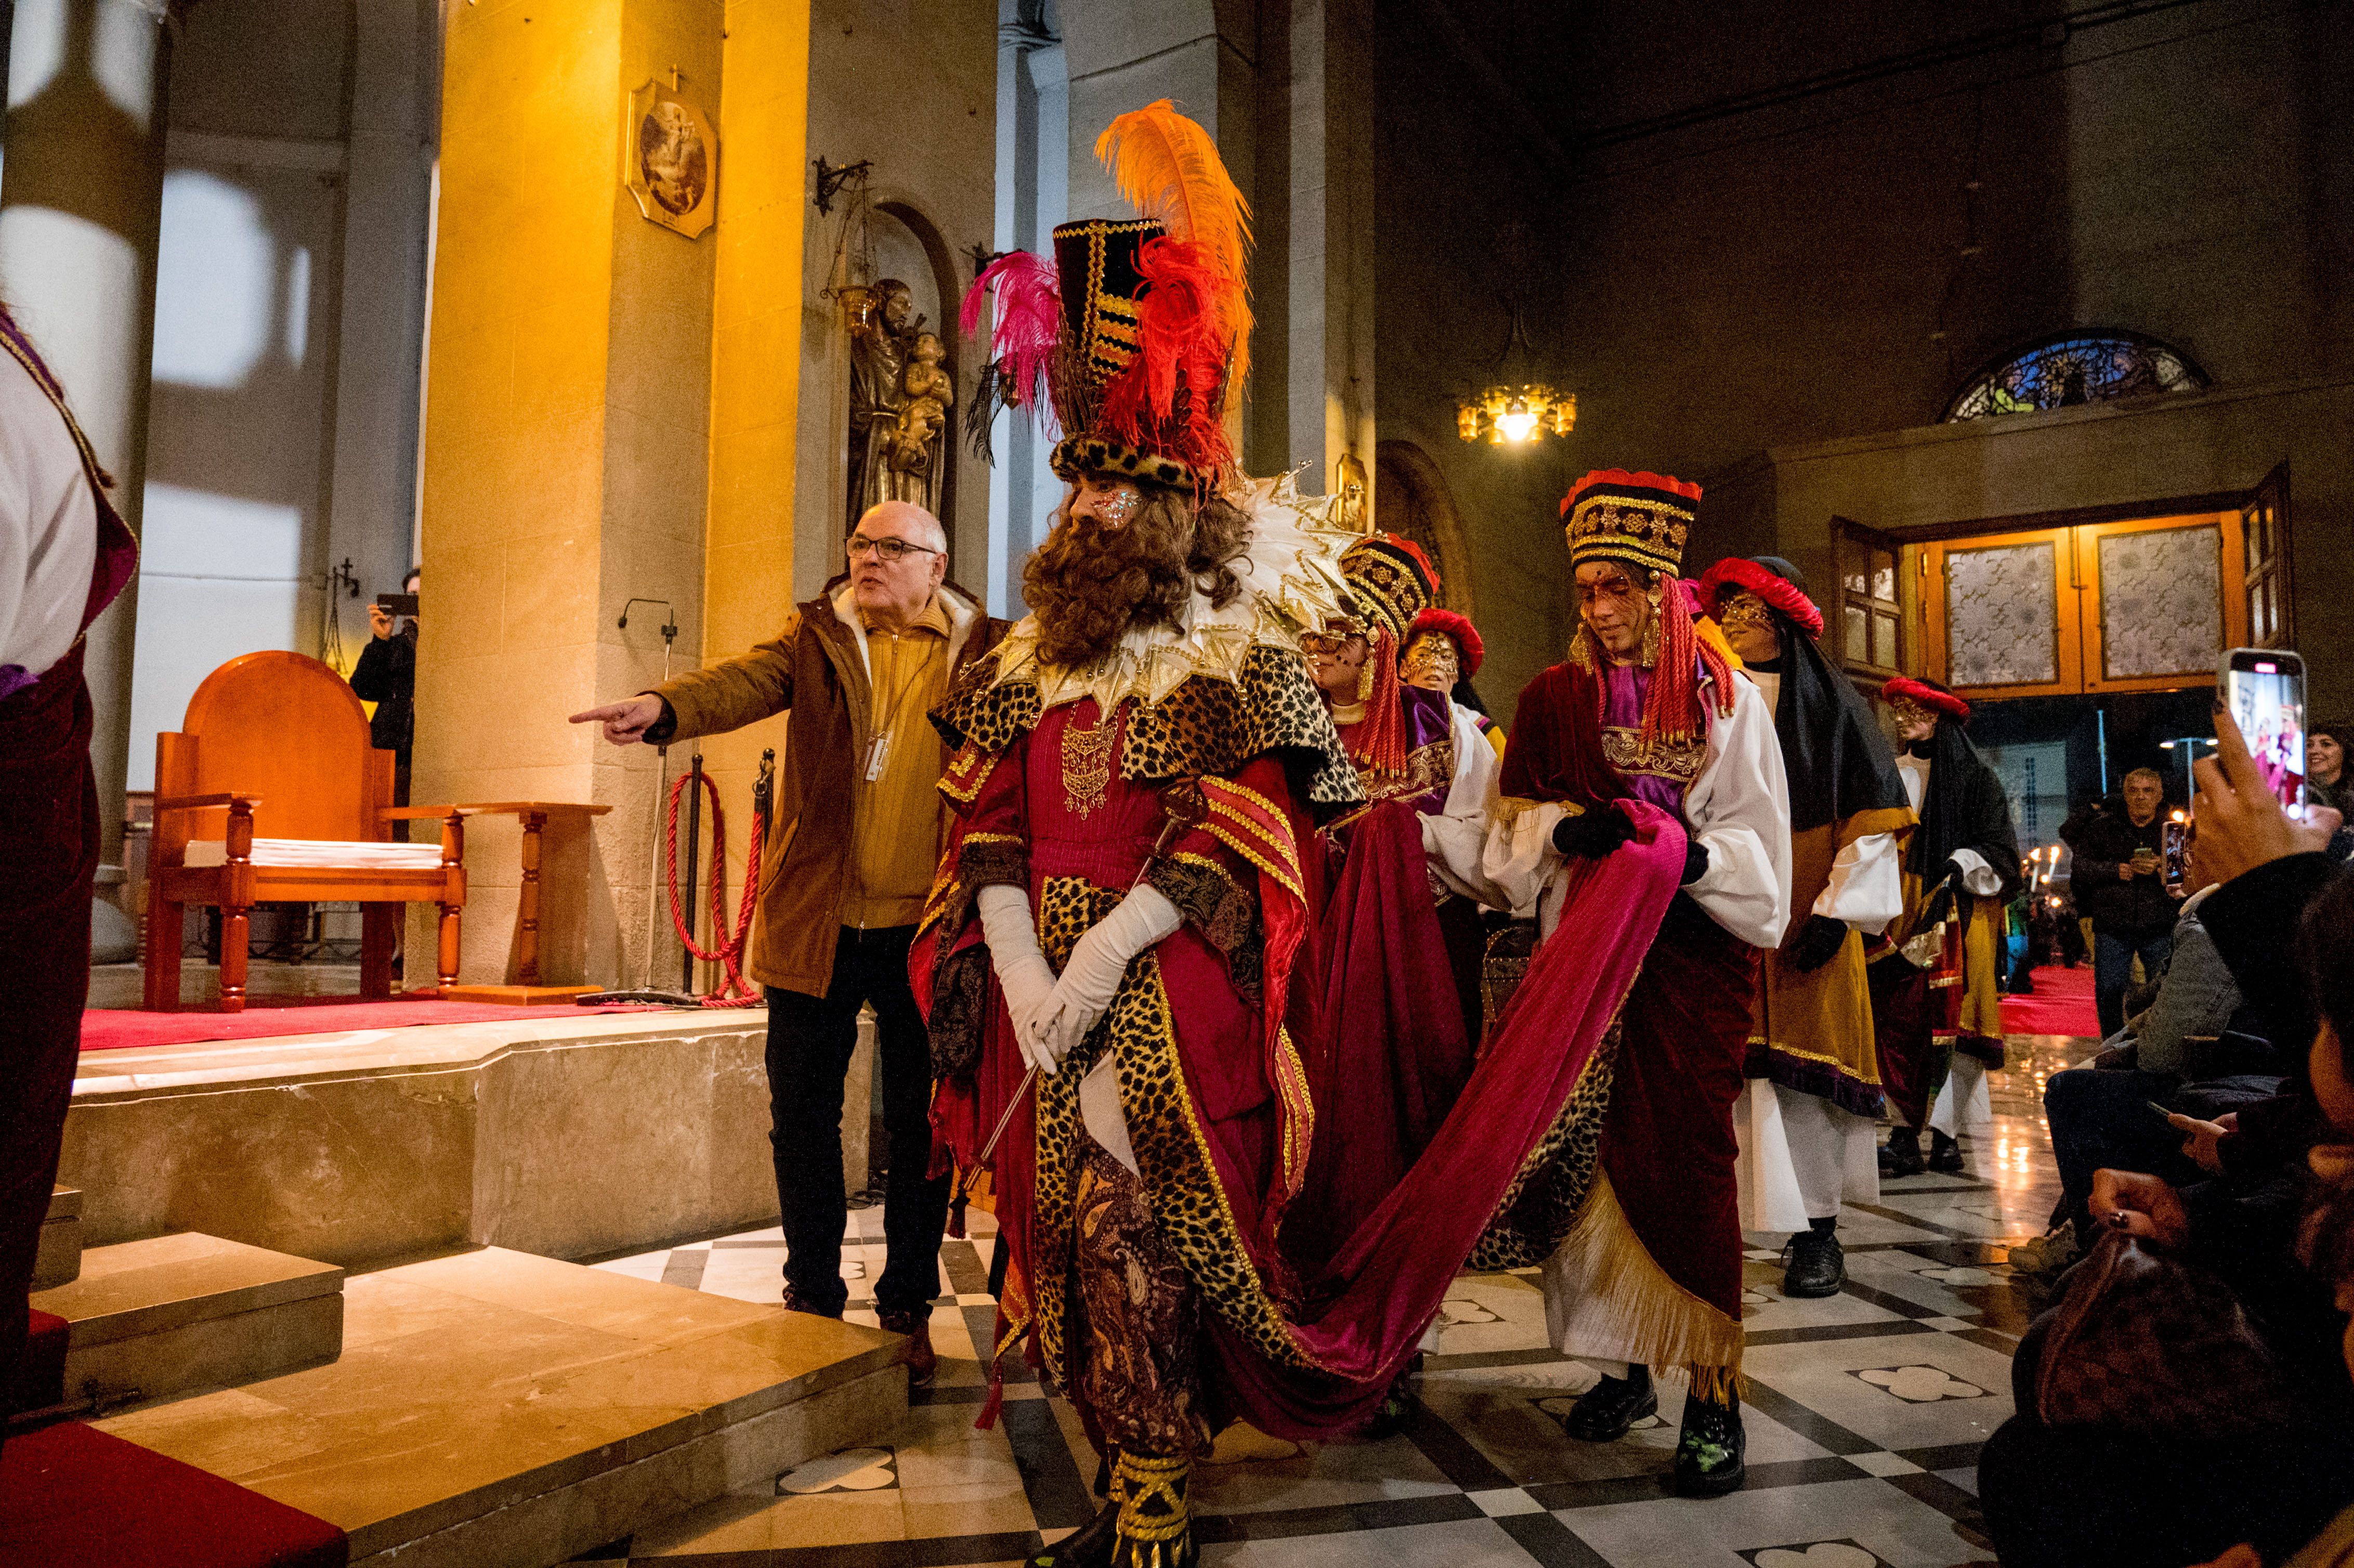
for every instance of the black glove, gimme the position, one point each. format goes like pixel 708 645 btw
pixel 1818 943
pixel 1592 834
pixel 1695 862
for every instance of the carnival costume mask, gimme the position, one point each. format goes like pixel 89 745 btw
pixel 1740 613
pixel 1430 660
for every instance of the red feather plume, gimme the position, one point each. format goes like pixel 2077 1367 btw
pixel 1182 349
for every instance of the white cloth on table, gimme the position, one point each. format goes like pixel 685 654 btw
pixel 325 853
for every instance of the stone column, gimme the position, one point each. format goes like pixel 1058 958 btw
pixel 80 201
pixel 1328 264
pixel 566 443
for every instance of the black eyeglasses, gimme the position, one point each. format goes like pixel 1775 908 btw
pixel 889 549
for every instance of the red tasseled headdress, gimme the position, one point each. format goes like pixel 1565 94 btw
pixel 1934 698
pixel 1459 627
pixel 1771 587
pixel 1382 746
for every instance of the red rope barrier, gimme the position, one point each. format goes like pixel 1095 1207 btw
pixel 738 991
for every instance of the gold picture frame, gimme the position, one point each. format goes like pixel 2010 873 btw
pixel 670 159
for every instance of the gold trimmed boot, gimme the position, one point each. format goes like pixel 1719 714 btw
pixel 1155 1530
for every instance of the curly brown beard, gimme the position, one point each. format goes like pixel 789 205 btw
pixel 1087 585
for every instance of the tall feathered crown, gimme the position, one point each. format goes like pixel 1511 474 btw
pixel 1642 519
pixel 1137 332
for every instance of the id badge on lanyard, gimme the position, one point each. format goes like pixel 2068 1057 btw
pixel 877 751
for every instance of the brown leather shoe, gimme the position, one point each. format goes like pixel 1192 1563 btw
pixel 922 1359
pixel 797 1302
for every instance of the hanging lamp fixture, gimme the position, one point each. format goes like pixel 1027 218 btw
pixel 1517 406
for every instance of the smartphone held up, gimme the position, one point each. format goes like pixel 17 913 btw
pixel 2264 690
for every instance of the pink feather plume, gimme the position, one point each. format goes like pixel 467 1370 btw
pixel 1029 318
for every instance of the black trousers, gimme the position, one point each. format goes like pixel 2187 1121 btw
pixel 810 1042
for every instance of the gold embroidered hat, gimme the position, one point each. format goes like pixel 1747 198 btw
pixel 1642 519
pixel 1393 582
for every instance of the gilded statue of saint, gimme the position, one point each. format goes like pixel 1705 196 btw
pixel 900 395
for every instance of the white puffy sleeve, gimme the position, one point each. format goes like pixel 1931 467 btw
pixel 1867 884
pixel 1519 860
pixel 1739 808
pixel 1977 876
pixel 1456 838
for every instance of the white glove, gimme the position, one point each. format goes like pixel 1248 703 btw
pixel 1097 962
pixel 1012 933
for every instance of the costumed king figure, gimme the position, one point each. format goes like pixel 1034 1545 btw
pixel 1136 770
pixel 1398 1026
pixel 1411 742
pixel 1644 707
pixel 1934 1003
pixel 1807 1117
pixel 1443 651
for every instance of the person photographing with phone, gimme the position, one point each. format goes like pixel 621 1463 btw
pixel 387 676
pixel 2121 885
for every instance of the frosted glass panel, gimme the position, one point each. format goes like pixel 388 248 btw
pixel 2161 601
pixel 2002 616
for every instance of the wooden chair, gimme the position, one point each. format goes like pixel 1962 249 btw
pixel 272 792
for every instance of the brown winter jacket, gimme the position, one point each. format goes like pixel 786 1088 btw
pixel 816 668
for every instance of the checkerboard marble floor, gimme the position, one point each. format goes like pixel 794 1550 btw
pixel 1866 1412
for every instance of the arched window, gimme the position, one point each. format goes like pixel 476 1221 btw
pixel 2070 368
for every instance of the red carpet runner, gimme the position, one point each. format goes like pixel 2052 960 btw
pixel 2062 1005
pixel 73 1496
pixel 116 1029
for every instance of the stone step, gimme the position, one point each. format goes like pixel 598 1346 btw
pixel 500 1408
pixel 60 1259
pixel 154 1318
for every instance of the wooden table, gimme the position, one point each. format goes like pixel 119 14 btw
pixel 526 991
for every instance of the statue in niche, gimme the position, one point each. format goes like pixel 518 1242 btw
pixel 900 395
pixel 1349 495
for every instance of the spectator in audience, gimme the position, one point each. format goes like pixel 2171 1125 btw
pixel 2325 764
pixel 2100 1115
pixel 387 676
pixel 857 669
pixel 2119 881
pixel 2135 1492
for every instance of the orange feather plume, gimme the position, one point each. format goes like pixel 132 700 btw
pixel 1167 167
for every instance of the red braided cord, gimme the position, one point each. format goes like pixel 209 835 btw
pixel 738 991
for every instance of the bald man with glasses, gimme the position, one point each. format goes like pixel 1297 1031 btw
pixel 856 837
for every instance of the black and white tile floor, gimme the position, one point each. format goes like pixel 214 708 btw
pixel 1865 1414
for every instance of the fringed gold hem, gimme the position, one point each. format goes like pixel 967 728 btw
pixel 1621 1305
pixel 1718 1386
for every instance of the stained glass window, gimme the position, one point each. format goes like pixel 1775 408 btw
pixel 2076 368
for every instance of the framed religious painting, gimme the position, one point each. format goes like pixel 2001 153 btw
pixel 670 159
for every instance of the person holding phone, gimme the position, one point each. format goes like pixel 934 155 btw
pixel 2120 883
pixel 387 676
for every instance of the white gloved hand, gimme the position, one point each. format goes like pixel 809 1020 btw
pixel 1007 926
pixel 1101 958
